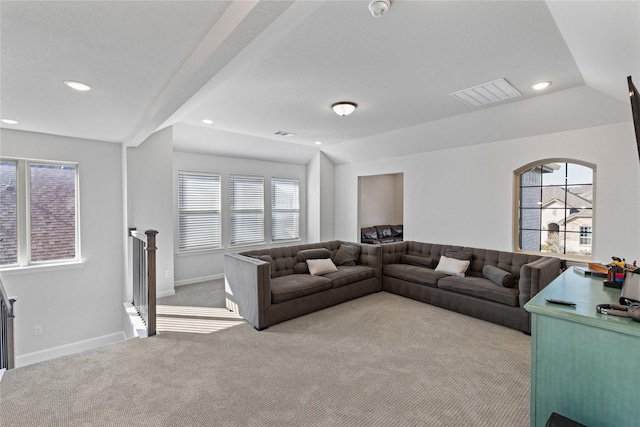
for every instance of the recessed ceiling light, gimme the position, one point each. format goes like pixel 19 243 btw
pixel 318 142
pixel 207 121
pixel 77 85
pixel 540 86
pixel 9 121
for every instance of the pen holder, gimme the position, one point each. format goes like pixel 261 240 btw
pixel 615 277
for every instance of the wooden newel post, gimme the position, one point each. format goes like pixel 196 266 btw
pixel 151 280
pixel 10 338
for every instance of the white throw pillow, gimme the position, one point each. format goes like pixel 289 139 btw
pixel 318 267
pixel 452 266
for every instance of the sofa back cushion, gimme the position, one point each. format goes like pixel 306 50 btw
pixel 419 261
pixel 383 231
pixel 369 233
pixel 347 255
pixel 510 262
pixel 286 257
pixel 315 253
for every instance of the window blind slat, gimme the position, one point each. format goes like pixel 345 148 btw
pixel 246 202
pixel 199 222
pixel 285 209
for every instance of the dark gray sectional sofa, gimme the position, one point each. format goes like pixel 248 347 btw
pixel 269 286
pixel 408 269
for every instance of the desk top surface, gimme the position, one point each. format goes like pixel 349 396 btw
pixel 587 292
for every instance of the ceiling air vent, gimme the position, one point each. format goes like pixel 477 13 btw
pixel 497 90
pixel 284 133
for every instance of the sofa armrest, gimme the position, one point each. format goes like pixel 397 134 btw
pixel 248 286
pixel 535 275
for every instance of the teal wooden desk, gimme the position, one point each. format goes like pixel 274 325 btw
pixel 584 365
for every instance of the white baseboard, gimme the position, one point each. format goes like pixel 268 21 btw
pixel 169 293
pixel 199 279
pixel 64 350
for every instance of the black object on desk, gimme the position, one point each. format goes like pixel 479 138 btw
pixel 561 302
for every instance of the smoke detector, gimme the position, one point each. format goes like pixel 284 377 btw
pixel 379 7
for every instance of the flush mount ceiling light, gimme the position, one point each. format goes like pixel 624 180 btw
pixel 207 121
pixel 540 86
pixel 344 108
pixel 82 87
pixel 379 7
pixel 318 142
pixel 284 133
pixel 9 121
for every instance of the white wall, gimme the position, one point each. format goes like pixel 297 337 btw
pixel 78 307
pixel 327 199
pixel 320 199
pixel 150 200
pixel 195 266
pixel 381 200
pixel 398 199
pixel 464 196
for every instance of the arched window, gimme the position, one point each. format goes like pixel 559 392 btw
pixel 554 208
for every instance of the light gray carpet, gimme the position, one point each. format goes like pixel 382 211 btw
pixel 380 360
pixel 204 294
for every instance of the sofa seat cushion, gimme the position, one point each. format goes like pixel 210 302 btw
pixel 480 288
pixel 347 275
pixel 412 273
pixel 292 286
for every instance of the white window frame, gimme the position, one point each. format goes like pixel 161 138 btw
pixel 516 208
pixel 275 210
pixel 257 211
pixel 23 217
pixel 214 210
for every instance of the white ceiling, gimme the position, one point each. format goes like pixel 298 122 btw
pixel 257 67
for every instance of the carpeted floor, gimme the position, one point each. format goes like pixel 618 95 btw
pixel 203 294
pixel 380 360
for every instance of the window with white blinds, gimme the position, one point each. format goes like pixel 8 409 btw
pixel 285 209
pixel 246 203
pixel 198 211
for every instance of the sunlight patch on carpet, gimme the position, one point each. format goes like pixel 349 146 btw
pixel 195 320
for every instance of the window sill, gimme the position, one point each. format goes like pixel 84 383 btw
pixel 285 242
pixel 572 258
pixel 200 251
pixel 247 246
pixel 40 268
pixel 260 245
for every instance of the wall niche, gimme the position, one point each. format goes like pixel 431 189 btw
pixel 380 200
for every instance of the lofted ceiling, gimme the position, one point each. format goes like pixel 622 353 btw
pixel 254 68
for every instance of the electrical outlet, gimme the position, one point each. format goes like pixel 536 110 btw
pixel 167 274
pixel 37 330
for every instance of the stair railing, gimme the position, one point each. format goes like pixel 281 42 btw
pixel 144 277
pixel 7 357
